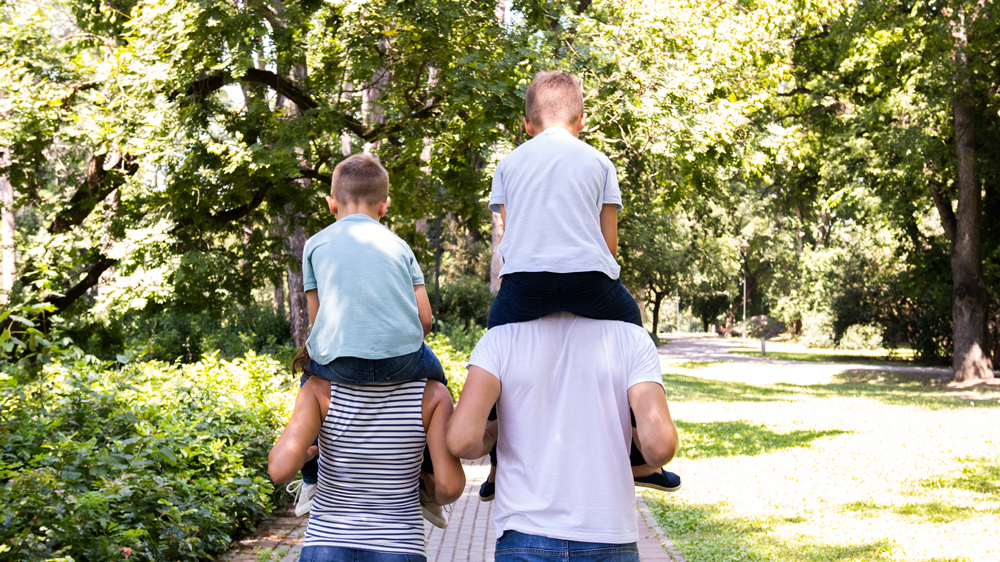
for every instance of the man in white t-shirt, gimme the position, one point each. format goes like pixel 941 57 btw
pixel 563 385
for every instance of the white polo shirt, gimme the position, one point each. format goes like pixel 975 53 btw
pixel 563 469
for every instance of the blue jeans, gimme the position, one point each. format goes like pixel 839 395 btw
pixel 337 554
pixel 354 371
pixel 421 364
pixel 514 546
pixel 528 296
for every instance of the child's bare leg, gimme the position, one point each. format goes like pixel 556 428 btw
pixel 428 479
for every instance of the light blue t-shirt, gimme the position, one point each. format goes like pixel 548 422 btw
pixel 552 188
pixel 364 275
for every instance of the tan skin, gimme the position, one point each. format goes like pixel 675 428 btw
pixel 295 445
pixel 471 435
pixel 609 213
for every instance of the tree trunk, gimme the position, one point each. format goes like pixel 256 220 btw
pixel 494 258
pixel 970 311
pixel 657 299
pixel 279 298
pixel 298 306
pixel 7 226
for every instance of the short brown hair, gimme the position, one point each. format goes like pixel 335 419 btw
pixel 360 178
pixel 553 97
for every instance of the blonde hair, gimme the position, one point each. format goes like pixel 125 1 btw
pixel 553 97
pixel 360 178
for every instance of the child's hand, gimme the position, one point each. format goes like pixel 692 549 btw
pixel 312 452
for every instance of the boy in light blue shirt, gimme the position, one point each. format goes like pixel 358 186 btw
pixel 367 301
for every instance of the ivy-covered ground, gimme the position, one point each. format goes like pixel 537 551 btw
pixel 860 466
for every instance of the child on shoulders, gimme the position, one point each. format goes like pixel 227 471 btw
pixel 367 302
pixel 559 199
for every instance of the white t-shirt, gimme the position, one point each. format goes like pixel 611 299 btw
pixel 563 470
pixel 552 188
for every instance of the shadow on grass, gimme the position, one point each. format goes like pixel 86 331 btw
pixel 684 388
pixel 905 389
pixel 933 511
pixel 819 357
pixel 703 533
pixel 980 475
pixel 731 438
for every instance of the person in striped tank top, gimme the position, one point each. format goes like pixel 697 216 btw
pixel 371 448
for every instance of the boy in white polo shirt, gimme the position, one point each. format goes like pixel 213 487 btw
pixel 559 199
pixel 367 302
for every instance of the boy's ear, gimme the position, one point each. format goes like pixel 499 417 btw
pixel 382 208
pixel 529 128
pixel 332 202
pixel 581 122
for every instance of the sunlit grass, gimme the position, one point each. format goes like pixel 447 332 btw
pixel 728 438
pixel 860 469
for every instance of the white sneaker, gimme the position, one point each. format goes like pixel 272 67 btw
pixel 437 515
pixel 303 496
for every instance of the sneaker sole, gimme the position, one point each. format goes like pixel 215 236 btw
pixel 438 522
pixel 487 498
pixel 655 487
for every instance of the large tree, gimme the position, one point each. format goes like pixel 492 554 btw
pixel 903 95
pixel 183 145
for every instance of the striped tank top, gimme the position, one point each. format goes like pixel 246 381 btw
pixel 370 449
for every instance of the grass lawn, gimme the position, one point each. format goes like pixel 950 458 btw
pixel 872 466
pixel 797 352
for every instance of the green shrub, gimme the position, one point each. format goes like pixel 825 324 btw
pixel 861 337
pixel 170 334
pixel 465 300
pixel 453 345
pixel 157 461
pixel 817 329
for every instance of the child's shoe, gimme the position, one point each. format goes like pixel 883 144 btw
pixel 437 515
pixel 662 480
pixel 303 496
pixel 487 491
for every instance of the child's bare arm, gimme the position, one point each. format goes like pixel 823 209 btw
pixel 609 227
pixel 312 297
pixel 503 215
pixel 424 308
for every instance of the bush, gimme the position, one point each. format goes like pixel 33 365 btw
pixel 817 329
pixel 172 334
pixel 453 345
pixel 465 300
pixel 861 337
pixel 153 461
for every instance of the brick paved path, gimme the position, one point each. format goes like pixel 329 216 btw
pixel 469 536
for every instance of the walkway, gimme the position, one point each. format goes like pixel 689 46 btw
pixel 697 348
pixel 469 536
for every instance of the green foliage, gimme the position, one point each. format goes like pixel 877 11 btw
pixel 170 334
pixel 465 300
pixel 453 344
pixel 168 461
